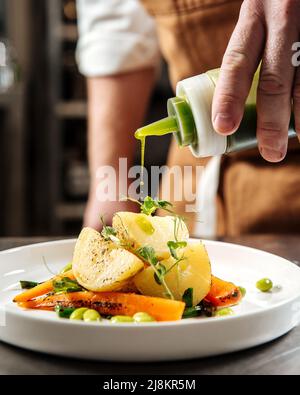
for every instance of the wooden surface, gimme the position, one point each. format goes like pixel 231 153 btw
pixel 279 357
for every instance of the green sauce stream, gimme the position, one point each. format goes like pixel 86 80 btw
pixel 160 128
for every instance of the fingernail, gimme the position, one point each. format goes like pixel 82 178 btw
pixel 224 123
pixel 272 155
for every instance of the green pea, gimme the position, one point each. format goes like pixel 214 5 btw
pixel 243 291
pixel 121 319
pixel 91 315
pixel 224 312
pixel 78 313
pixel 66 268
pixel 264 285
pixel 143 317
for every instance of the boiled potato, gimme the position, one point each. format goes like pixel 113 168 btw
pixel 194 271
pixel 140 230
pixel 100 265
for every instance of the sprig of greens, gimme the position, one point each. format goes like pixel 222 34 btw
pixel 66 285
pixel 28 284
pixel 148 255
pixel 162 271
pixel 108 232
pixel 178 222
pixel 174 246
pixel 149 205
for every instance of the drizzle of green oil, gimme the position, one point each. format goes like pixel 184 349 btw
pixel 160 128
pixel 143 222
pixel 143 144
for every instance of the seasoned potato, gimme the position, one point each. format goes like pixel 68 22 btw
pixel 140 230
pixel 99 265
pixel 192 272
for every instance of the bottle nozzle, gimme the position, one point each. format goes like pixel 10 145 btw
pixel 164 126
pixel 180 109
pixel 180 122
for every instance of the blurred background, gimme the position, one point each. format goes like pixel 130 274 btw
pixel 43 164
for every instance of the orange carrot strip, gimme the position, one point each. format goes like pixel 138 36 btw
pixel 41 289
pixel 112 303
pixel 223 293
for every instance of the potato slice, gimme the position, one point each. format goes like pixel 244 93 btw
pixel 140 230
pixel 100 265
pixel 192 272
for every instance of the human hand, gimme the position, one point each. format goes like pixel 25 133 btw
pixel 266 31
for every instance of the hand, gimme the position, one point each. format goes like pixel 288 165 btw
pixel 266 30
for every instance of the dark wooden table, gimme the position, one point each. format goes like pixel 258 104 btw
pixel 279 357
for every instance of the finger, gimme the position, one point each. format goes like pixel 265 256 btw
pixel 275 90
pixel 239 64
pixel 296 101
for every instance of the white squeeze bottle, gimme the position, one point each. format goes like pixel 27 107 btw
pixel 189 118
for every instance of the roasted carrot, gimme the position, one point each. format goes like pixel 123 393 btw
pixel 223 293
pixel 42 288
pixel 112 303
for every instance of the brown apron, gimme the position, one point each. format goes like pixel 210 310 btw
pixel 254 196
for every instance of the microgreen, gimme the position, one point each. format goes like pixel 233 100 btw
pixel 108 232
pixel 161 269
pixel 149 205
pixel 65 285
pixel 148 255
pixel 174 246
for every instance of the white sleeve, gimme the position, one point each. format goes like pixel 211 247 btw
pixel 115 36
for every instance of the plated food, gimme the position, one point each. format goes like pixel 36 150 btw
pixel 141 269
pixel 263 315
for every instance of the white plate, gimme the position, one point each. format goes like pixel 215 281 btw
pixel 258 319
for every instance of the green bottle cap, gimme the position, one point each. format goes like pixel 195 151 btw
pixel 180 122
pixel 181 111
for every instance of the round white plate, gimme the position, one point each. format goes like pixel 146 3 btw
pixel 260 317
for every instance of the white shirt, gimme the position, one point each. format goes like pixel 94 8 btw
pixel 115 36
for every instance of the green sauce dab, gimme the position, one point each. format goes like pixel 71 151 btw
pixel 143 222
